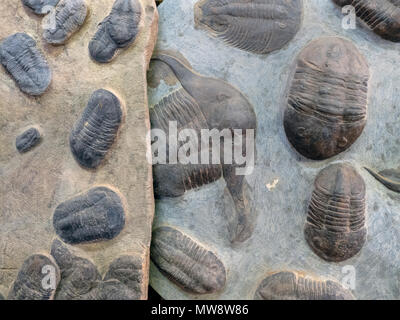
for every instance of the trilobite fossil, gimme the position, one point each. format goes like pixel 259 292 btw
pixel 390 178
pixel 288 285
pixel 381 16
pixel 30 283
pixel 40 6
pixel 327 101
pixel 93 216
pixel 65 20
pixel 96 130
pixel 27 140
pixel 204 103
pixel 116 31
pixel 186 262
pixel 22 59
pixel 258 26
pixel 335 227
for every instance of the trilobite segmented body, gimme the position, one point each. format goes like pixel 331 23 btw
pixel 335 227
pixel 31 284
pixel 118 30
pixel 96 215
pixel 258 26
pixel 289 285
pixel 327 101
pixel 390 178
pixel 27 140
pixel 187 263
pixel 65 20
pixel 381 16
pixel 95 132
pixel 40 6
pixel 21 58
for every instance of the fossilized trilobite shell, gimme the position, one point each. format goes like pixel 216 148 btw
pixel 27 140
pixel 40 6
pixel 381 16
pixel 96 215
pixel 289 285
pixel 96 130
pixel 21 58
pixel 335 227
pixel 258 26
pixel 327 101
pixel 186 262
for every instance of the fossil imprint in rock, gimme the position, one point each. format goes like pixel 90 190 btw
pixel 390 178
pixel 28 140
pixel 327 100
pixel 40 6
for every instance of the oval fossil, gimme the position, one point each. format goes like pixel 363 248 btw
pixel 381 16
pixel 390 178
pixel 118 30
pixel 335 227
pixel 187 263
pixel 327 101
pixel 93 216
pixel 27 140
pixel 30 283
pixel 288 285
pixel 258 26
pixel 96 130
pixel 21 58
pixel 40 6
pixel 65 20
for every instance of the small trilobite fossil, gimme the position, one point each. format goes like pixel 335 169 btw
pixel 27 140
pixel 40 6
pixel 187 263
pixel 21 58
pixel 335 227
pixel 204 103
pixel 93 216
pixel 65 20
pixel 381 16
pixel 118 30
pixel 258 26
pixel 327 102
pixel 288 285
pixel 96 130
pixel 390 178
pixel 31 282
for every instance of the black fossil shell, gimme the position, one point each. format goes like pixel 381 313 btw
pixel 96 130
pixel 186 262
pixel 68 17
pixel 335 227
pixel 28 140
pixel 390 178
pixel 258 26
pixel 21 58
pixel 40 6
pixel 96 215
pixel 289 285
pixel 31 277
pixel 118 30
pixel 381 16
pixel 327 101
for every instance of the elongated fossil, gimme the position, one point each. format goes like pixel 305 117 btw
pixel 390 178
pixel 28 140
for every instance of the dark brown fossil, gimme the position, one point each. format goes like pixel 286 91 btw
pixel 186 262
pixel 381 16
pixel 30 281
pixel 335 227
pixel 390 178
pixel 288 285
pixel 327 102
pixel 204 103
pixel 258 26
pixel 27 140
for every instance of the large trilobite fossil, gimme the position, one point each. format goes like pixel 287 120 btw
pixel 258 26
pixel 40 6
pixel 327 100
pixel 335 227
pixel 96 130
pixel 288 285
pixel 118 30
pixel 22 59
pixel 204 103
pixel 381 16
pixel 390 178
pixel 186 262
pixel 93 216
